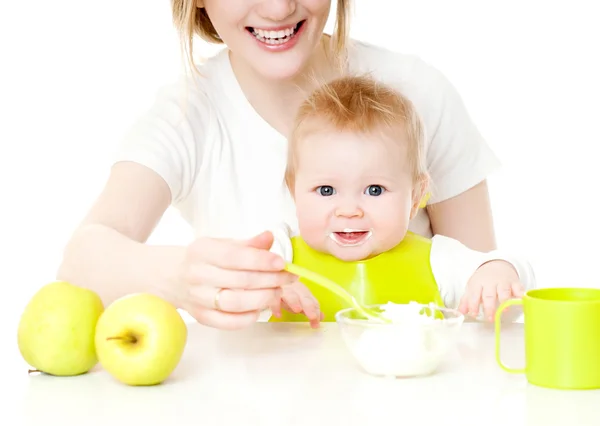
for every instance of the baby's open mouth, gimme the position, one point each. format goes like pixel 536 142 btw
pixel 350 237
pixel 275 37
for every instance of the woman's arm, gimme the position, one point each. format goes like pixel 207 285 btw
pixel 466 217
pixel 155 166
pixel 107 253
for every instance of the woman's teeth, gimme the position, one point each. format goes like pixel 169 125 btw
pixel 275 37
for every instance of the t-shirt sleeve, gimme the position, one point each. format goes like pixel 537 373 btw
pixel 168 138
pixel 458 157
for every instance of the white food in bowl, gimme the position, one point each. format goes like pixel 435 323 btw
pixel 413 345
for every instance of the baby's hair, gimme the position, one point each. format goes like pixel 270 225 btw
pixel 358 104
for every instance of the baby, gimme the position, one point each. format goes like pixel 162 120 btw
pixel 356 171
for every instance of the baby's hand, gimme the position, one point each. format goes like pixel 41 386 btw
pixel 493 283
pixel 298 299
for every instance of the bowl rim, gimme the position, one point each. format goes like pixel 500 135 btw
pixel 340 317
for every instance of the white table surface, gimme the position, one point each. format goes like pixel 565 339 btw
pixel 288 374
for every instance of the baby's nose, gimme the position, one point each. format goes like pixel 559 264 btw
pixel 349 211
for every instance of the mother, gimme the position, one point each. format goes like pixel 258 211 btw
pixel 213 145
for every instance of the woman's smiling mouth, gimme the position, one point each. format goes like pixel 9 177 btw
pixel 278 38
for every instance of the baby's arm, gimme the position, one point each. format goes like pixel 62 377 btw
pixel 453 264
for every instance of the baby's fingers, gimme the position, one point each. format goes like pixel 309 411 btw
pixel 291 301
pixel 275 304
pixel 474 299
pixel 517 289
pixel 489 296
pixel 308 304
pixel 311 310
pixel 504 291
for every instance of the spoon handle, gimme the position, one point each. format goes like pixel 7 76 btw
pixel 331 286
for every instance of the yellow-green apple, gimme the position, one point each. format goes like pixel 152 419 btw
pixel 57 329
pixel 140 339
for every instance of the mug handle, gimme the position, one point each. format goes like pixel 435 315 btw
pixel 501 308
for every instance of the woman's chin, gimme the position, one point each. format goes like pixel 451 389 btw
pixel 277 62
pixel 285 68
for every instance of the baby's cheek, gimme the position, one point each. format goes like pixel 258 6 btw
pixel 394 228
pixel 312 226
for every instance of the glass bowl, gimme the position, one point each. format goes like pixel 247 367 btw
pixel 408 347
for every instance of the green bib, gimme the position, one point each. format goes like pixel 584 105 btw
pixel 400 275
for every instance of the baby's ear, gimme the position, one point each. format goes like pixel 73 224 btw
pixel 420 196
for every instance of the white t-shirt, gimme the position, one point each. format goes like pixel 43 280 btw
pixel 225 164
pixel 452 264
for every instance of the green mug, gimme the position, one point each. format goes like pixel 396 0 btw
pixel 562 337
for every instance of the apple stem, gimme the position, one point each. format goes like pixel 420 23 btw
pixel 33 371
pixel 128 339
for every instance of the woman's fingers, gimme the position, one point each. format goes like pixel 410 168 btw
pixel 231 282
pixel 231 300
pixel 210 275
pixel 228 254
pixel 225 320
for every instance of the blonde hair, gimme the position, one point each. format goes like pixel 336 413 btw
pixel 190 20
pixel 359 104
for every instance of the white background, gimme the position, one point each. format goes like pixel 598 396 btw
pixel 74 74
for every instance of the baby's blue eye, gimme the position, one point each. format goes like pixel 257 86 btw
pixel 374 190
pixel 325 190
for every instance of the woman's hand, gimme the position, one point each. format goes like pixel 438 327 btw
pixel 228 283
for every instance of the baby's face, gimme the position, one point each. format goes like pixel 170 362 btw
pixel 354 193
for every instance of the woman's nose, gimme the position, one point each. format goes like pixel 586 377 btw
pixel 277 10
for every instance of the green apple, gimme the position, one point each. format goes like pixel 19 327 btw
pixel 140 339
pixel 57 329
